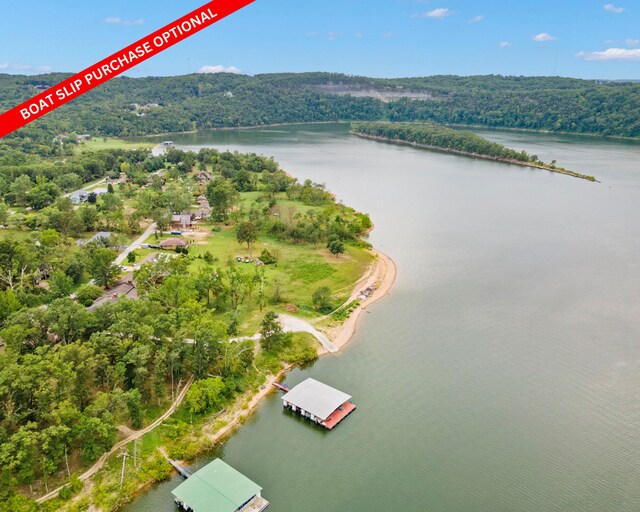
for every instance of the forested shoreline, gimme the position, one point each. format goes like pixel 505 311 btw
pixel 75 373
pixel 140 106
pixel 441 138
pixel 72 378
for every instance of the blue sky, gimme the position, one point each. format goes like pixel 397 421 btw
pixel 383 38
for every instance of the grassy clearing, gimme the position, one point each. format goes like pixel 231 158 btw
pixel 99 143
pixel 16 234
pixel 300 270
pixel 286 207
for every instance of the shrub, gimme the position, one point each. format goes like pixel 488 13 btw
pixel 322 299
pixel 65 493
pixel 267 258
pixel 87 294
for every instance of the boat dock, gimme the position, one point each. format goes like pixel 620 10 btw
pixel 318 402
pixel 338 415
pixel 281 387
pixel 217 486
pixel 183 471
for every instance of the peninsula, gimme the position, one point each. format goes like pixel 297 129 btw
pixel 440 138
pixel 159 288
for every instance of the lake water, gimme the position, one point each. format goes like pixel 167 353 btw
pixel 502 373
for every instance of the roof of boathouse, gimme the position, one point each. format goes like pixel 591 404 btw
pixel 217 487
pixel 315 397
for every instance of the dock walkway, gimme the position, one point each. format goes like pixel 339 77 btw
pixel 183 471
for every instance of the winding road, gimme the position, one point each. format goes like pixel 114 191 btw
pixel 134 435
pixel 293 324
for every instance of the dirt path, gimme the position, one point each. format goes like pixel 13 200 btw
pixel 381 276
pixel 135 435
pixel 295 324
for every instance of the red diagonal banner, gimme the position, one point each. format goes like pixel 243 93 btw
pixel 118 63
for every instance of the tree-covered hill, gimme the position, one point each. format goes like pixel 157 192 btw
pixel 132 106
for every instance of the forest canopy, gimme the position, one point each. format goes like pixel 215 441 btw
pixel 135 106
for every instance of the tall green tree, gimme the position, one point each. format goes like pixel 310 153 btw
pixel 247 233
pixel 101 266
pixel 272 337
pixel 67 319
pixel 222 197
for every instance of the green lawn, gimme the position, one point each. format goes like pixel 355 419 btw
pixel 98 143
pixel 300 270
pixel 284 205
pixel 17 234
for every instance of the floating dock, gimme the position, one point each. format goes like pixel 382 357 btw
pixel 318 402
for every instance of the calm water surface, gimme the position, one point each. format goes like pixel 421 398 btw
pixel 503 371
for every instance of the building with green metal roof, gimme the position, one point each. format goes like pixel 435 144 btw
pixel 218 487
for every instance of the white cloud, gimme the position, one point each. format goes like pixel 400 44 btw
pixel 359 35
pixel 25 67
pixel 332 36
pixel 477 19
pixel 311 34
pixel 612 8
pixel 611 54
pixel 439 13
pixel 504 44
pixel 387 35
pixel 114 20
pixel 632 42
pixel 543 37
pixel 219 69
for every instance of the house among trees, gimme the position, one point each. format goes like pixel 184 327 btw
pixel 200 213
pixel 125 288
pixel 79 197
pixel 100 237
pixel 173 243
pixel 182 221
pixel 204 176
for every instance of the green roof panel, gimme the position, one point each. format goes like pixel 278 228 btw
pixel 217 487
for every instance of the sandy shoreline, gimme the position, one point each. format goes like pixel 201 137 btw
pixel 381 275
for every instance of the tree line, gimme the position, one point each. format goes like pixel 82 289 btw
pixel 136 106
pixel 442 137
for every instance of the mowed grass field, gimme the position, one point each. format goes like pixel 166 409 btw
pixel 15 234
pixel 99 143
pixel 300 270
